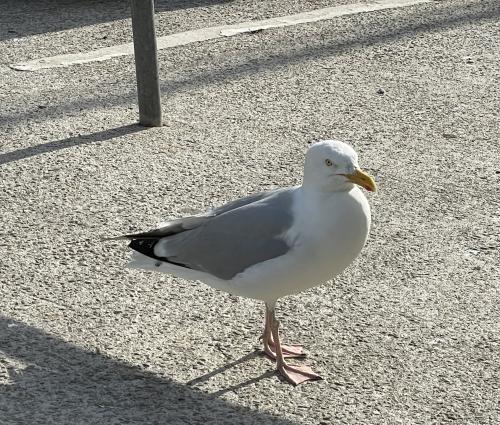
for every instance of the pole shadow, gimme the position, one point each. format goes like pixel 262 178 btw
pixel 100 136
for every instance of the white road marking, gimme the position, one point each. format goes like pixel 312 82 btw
pixel 211 33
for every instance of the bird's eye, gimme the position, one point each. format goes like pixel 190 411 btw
pixel 328 162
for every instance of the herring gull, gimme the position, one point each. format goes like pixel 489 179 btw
pixel 271 244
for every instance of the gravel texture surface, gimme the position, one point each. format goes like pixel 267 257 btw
pixel 410 334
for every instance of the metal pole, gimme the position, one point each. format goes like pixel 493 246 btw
pixel 146 62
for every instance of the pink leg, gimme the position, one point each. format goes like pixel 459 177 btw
pixel 289 351
pixel 295 374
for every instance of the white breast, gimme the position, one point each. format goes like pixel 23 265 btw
pixel 327 235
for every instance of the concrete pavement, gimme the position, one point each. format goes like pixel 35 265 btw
pixel 408 335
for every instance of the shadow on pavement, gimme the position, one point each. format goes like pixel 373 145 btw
pixel 85 139
pixel 17 17
pixel 60 383
pixel 228 366
pixel 448 17
pixel 222 369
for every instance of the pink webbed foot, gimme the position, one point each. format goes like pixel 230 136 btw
pixel 295 374
pixel 298 374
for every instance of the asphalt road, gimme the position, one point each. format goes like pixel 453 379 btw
pixel 409 334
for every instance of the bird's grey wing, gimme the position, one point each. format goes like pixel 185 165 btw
pixel 228 243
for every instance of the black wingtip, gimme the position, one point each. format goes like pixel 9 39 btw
pixel 144 246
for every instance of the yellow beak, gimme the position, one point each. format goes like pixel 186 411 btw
pixel 362 179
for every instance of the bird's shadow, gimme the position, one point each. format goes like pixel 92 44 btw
pixel 222 369
pixel 45 379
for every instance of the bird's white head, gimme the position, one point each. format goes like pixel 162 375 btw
pixel 332 166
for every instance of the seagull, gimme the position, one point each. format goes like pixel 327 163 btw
pixel 271 244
